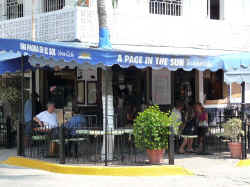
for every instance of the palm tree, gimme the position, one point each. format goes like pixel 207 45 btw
pixel 104 8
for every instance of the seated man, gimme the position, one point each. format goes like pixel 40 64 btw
pixel 47 118
pixel 78 121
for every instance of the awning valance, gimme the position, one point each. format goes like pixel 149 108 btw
pixel 236 67
pixel 74 54
pixel 13 65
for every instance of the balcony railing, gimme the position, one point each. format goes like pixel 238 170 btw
pixel 14 9
pixel 82 23
pixel 52 5
pixel 166 7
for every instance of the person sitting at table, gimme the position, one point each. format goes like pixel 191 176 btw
pixel 78 121
pixel 47 122
pixel 48 117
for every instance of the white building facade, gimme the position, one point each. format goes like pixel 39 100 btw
pixel 174 27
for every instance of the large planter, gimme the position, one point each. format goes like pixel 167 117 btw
pixel 235 149
pixel 155 156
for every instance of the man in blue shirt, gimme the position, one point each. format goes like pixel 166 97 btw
pixel 78 121
pixel 28 116
pixel 28 113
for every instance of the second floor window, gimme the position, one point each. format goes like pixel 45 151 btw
pixel 214 9
pixel 52 5
pixel 14 9
pixel 166 7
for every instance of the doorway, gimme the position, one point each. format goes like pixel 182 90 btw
pixel 213 9
pixel 130 93
pixel 184 86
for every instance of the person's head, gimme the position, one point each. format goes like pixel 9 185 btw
pixel 199 107
pixel 179 105
pixel 51 107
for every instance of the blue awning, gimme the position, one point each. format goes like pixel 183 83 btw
pixel 73 54
pixel 8 55
pixel 13 65
pixel 236 67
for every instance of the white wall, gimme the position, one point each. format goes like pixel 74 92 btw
pixel 2 10
pixel 197 9
pixel 235 10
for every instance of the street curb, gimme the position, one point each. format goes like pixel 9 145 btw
pixel 243 163
pixel 99 170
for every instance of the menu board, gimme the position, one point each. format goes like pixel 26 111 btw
pixel 161 87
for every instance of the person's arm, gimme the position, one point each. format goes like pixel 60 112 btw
pixel 206 117
pixel 36 119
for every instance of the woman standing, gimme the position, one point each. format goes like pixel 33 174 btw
pixel 189 131
pixel 202 116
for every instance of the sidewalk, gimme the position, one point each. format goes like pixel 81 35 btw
pixel 212 165
pixel 210 171
pixel 6 153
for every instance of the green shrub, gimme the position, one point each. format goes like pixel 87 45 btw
pixel 233 129
pixel 152 128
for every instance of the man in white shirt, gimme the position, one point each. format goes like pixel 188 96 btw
pixel 47 118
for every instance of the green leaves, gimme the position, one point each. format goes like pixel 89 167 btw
pixel 233 129
pixel 152 128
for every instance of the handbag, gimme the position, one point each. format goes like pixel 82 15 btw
pixel 203 123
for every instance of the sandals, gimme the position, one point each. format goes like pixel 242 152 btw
pixel 181 152
pixel 190 151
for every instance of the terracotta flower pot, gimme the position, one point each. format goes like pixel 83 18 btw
pixel 155 156
pixel 235 149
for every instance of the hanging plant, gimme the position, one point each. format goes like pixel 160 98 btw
pixel 11 94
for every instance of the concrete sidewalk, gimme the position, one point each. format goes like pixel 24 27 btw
pixel 211 171
pixel 6 153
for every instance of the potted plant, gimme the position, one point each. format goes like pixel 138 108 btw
pixel 151 131
pixel 233 130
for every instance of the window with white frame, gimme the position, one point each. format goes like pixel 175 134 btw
pixel 166 7
pixel 52 5
pixel 14 9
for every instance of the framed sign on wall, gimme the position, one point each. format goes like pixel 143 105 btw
pixel 161 87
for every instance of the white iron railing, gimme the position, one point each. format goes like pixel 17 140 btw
pixel 14 9
pixel 52 5
pixel 166 7
pixel 11 9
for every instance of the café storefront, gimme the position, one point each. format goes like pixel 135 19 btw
pixel 99 82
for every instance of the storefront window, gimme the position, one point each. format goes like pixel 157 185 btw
pixel 213 85
pixel 87 86
pixel 81 92
pixel 92 93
